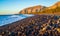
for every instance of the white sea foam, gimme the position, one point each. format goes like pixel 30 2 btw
pixel 12 18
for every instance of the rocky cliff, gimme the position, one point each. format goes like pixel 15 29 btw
pixel 33 9
pixel 54 9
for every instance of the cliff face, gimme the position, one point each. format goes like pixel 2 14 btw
pixel 31 10
pixel 54 9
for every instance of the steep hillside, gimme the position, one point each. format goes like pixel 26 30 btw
pixel 54 9
pixel 32 10
pixel 55 5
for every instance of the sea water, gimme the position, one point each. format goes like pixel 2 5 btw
pixel 6 19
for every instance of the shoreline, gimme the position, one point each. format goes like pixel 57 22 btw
pixel 30 17
pixel 35 24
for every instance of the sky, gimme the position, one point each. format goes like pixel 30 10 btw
pixel 14 6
